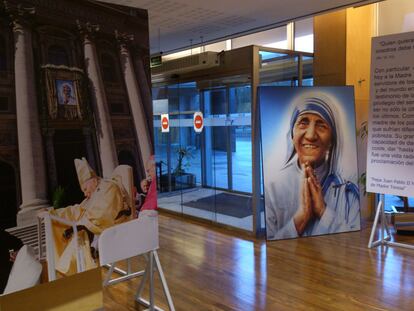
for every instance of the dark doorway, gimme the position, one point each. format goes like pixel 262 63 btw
pixel 8 194
pixel 126 157
pixel 69 144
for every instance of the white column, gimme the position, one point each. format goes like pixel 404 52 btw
pixel 290 35
pixel 135 101
pixel 106 141
pixel 31 158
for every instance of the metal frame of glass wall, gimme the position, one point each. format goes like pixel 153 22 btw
pixel 224 160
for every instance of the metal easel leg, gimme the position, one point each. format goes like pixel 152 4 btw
pixel 138 297
pixel 151 280
pixel 382 217
pixel 384 220
pixel 371 243
pixel 153 262
pixel 129 269
pixel 142 284
pixel 163 282
pixel 109 274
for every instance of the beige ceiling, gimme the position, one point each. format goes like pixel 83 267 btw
pixel 177 24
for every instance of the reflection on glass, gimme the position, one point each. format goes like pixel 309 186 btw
pixel 216 134
pixel 394 203
pixel 307 71
pixel 278 69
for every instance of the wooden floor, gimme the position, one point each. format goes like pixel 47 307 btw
pixel 211 269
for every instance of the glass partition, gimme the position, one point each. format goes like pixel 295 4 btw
pixel 285 69
pixel 277 69
pixel 209 174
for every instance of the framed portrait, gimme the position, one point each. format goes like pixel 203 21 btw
pixel 66 92
pixel 309 161
pixel 64 96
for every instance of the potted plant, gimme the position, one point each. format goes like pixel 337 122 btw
pixel 58 197
pixel 183 179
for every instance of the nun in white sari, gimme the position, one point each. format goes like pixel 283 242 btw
pixel 311 195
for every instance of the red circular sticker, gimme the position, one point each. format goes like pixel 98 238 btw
pixel 198 122
pixel 164 123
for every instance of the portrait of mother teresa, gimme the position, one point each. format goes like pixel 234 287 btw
pixel 310 195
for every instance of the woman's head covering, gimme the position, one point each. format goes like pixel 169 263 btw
pixel 323 106
pixel 316 106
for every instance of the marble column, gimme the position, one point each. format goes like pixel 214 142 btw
pixel 106 141
pixel 31 158
pixel 134 96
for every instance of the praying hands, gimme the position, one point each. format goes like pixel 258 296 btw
pixel 312 203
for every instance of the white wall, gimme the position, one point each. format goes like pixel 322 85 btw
pixel 395 16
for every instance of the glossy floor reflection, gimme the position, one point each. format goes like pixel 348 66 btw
pixel 176 202
pixel 211 269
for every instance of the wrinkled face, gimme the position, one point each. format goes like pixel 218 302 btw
pixel 145 185
pixel 89 187
pixel 312 138
pixel 66 90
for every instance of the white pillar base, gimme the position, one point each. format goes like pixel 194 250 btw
pixel 28 212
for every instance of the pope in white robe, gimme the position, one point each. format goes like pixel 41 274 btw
pixel 106 204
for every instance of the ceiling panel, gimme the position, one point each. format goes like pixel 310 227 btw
pixel 175 25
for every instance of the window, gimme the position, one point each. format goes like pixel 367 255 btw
pixel 274 38
pixel 57 55
pixel 304 35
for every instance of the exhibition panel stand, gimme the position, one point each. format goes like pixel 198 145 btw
pixel 390 159
pixel 132 239
pixel 384 230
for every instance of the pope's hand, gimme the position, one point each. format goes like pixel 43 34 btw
pixel 305 213
pixel 42 212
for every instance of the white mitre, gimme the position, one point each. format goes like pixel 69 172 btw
pixel 83 170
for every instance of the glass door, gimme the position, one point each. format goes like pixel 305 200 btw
pixel 227 152
pixel 216 139
pixel 228 148
pixel 240 138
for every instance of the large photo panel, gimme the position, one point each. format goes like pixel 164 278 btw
pixel 80 167
pixel 309 161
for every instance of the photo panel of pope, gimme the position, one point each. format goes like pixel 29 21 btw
pixel 309 161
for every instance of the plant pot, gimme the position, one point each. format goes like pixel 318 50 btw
pixel 185 181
